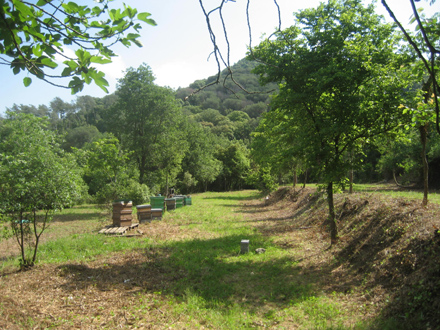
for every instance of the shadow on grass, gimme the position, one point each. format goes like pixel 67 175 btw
pixel 78 213
pixel 252 197
pixel 212 269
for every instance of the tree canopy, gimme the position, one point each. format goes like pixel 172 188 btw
pixel 339 84
pixel 34 36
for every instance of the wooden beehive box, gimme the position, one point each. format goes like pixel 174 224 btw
pixel 170 203
pixel 156 214
pixel 144 213
pixel 122 213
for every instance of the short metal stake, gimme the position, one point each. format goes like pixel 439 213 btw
pixel 244 246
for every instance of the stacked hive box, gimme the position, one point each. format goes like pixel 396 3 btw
pixel 171 203
pixel 157 207
pixel 122 213
pixel 179 201
pixel 144 213
pixel 156 214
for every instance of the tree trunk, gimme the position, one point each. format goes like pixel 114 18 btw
pixel 351 182
pixel 166 185
pixel 423 135
pixel 295 176
pixel 305 178
pixel 332 214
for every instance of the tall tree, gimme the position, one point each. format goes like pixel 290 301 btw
pixel 339 81
pixel 148 121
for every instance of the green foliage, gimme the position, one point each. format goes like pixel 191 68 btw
pixel 34 34
pixel 235 166
pixel 79 136
pixel 36 178
pixel 108 172
pixel 199 164
pixel 262 180
pixel 340 84
pixel 148 121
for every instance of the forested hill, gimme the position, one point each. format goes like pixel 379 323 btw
pixel 232 107
pixel 241 91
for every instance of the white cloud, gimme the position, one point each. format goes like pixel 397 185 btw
pixel 181 74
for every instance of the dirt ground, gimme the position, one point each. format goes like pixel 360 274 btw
pixel 387 257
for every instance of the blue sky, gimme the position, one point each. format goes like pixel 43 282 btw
pixel 177 49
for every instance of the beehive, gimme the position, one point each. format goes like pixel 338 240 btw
pixel 144 213
pixel 170 203
pixel 122 213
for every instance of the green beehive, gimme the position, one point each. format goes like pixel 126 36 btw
pixel 157 202
pixel 179 202
pixel 187 200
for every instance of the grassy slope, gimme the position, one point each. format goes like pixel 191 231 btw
pixel 186 270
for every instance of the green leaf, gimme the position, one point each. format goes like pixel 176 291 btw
pixel 100 60
pixel 46 61
pixel 144 17
pixel 42 3
pixel 37 51
pixel 27 81
pixel 137 43
pixel 72 64
pixel 132 36
pixel 99 79
pixel 71 7
pixel 24 10
pixel 66 72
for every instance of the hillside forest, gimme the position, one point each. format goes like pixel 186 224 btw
pixel 338 98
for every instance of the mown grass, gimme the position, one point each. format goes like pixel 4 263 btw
pixel 217 287
pixel 386 189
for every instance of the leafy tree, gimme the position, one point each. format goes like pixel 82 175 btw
pixel 148 121
pixel 40 111
pixel 79 136
pixel 426 46
pixel 32 34
pixel 108 173
pixel 339 82
pixel 235 166
pixel 199 164
pixel 272 145
pixel 36 179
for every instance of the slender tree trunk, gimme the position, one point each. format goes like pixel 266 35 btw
pixel 295 175
pixel 166 185
pixel 305 178
pixel 332 214
pixel 423 135
pixel 22 238
pixel 350 191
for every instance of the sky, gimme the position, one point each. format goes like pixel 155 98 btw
pixel 178 48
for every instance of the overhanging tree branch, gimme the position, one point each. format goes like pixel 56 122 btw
pixel 429 64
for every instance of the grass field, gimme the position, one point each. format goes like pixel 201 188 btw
pixel 186 271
